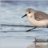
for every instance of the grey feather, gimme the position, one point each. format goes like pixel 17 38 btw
pixel 40 15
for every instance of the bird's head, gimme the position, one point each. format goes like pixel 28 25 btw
pixel 29 12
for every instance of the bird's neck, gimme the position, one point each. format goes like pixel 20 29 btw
pixel 31 15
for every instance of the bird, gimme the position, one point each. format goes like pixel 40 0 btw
pixel 36 18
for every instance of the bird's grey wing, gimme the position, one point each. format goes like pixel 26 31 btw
pixel 40 16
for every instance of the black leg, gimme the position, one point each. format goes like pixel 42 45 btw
pixel 47 26
pixel 31 29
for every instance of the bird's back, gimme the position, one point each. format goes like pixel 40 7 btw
pixel 40 15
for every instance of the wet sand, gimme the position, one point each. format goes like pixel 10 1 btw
pixel 39 45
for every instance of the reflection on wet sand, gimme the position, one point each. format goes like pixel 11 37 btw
pixel 39 43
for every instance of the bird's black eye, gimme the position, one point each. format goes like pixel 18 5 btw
pixel 29 12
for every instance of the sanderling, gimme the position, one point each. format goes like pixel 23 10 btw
pixel 36 18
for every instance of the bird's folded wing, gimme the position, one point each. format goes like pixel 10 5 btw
pixel 40 16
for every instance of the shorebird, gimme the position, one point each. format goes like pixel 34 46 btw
pixel 36 18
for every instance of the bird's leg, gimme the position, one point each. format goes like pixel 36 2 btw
pixel 47 26
pixel 31 29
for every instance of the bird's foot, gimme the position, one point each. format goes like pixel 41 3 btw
pixel 31 29
pixel 47 26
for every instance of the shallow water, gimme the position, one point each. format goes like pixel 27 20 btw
pixel 21 39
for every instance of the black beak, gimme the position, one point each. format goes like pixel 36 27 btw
pixel 24 15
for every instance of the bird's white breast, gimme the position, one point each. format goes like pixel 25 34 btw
pixel 34 22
